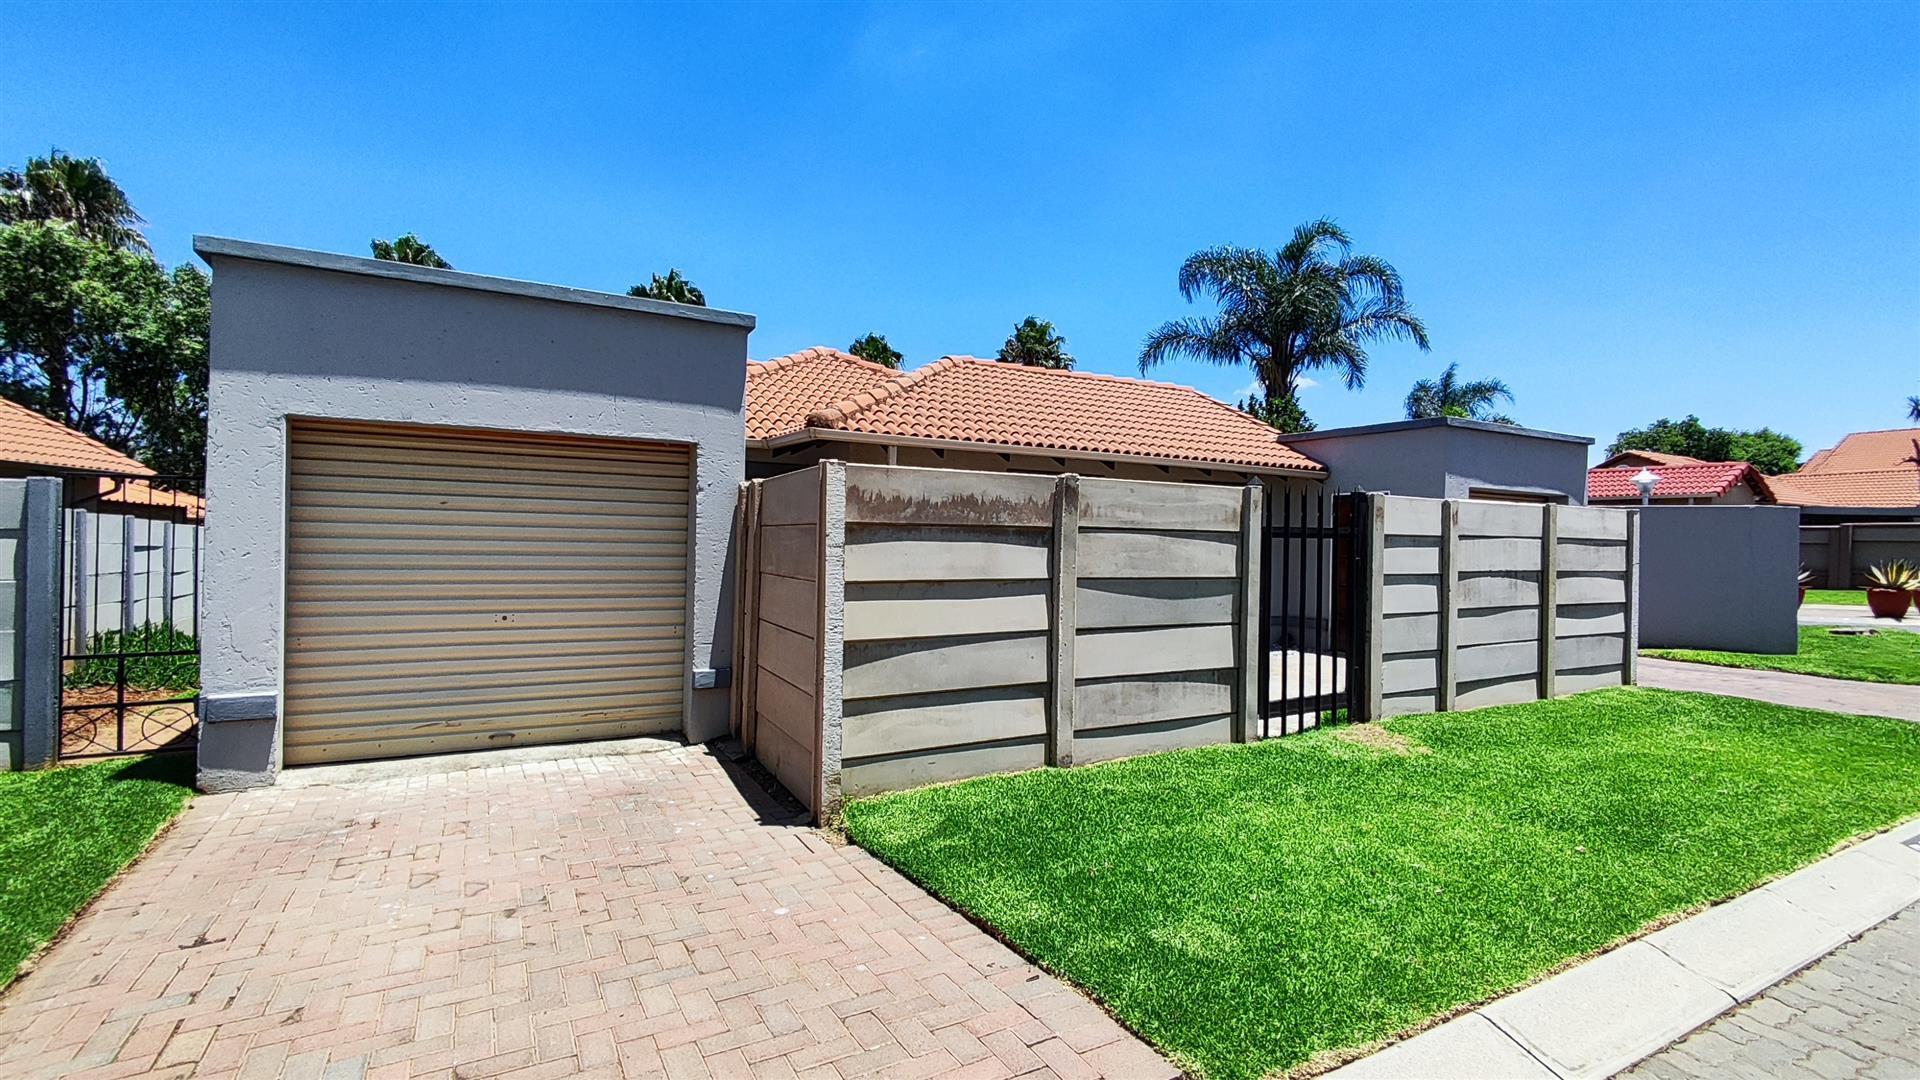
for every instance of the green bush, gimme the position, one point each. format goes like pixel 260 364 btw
pixel 102 665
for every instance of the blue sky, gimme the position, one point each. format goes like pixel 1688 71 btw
pixel 1624 210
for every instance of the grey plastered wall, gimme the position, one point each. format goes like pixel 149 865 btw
pixel 29 620
pixel 303 334
pixel 1448 458
pixel 1720 577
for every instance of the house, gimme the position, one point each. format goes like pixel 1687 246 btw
pixel 1684 481
pixel 1447 457
pixel 97 477
pixel 1868 476
pixel 961 412
pixel 453 512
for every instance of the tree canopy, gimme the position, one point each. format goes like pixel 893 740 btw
pixel 672 288
pixel 409 249
pixel 1035 344
pixel 1312 304
pixel 1765 449
pixel 77 191
pixel 1913 408
pixel 1449 396
pixel 1282 415
pixel 874 347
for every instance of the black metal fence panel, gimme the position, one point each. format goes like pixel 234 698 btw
pixel 1314 620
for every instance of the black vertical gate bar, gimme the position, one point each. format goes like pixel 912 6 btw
pixel 1286 603
pixel 1300 639
pixel 1335 661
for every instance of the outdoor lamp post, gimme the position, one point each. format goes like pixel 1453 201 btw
pixel 1645 480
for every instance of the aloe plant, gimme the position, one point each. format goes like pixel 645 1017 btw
pixel 1897 575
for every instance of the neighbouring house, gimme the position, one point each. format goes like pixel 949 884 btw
pixel 95 475
pixel 960 412
pixel 454 512
pixel 1869 476
pixel 1683 481
pixel 1447 457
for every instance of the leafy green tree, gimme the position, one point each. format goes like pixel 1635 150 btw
pixel 409 249
pixel 874 347
pixel 1312 304
pixel 1282 415
pixel 78 191
pixel 1448 396
pixel 1035 344
pixel 99 337
pixel 673 288
pixel 1765 449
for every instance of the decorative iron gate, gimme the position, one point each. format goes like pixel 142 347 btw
pixel 130 615
pixel 1313 572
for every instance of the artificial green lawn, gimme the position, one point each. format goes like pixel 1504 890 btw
pixel 1248 907
pixel 1850 597
pixel 65 832
pixel 1892 656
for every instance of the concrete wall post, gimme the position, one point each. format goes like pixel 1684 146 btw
pixel 1447 685
pixel 1250 636
pixel 1549 594
pixel 1064 625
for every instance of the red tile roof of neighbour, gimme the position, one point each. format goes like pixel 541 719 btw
pixel 1676 481
pixel 781 392
pixel 31 439
pixel 186 507
pixel 1649 457
pixel 1867 468
pixel 965 399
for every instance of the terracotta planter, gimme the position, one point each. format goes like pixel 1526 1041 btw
pixel 1889 603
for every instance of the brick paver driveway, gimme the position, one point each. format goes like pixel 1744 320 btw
pixel 645 915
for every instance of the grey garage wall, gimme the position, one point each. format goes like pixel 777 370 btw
pixel 1450 458
pixel 970 623
pixel 304 334
pixel 1489 603
pixel 1720 577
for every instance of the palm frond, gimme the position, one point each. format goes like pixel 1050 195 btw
pixel 1207 340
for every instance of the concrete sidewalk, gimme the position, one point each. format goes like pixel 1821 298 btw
pixel 1621 1007
pixel 1783 688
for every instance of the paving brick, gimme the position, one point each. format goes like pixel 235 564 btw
pixel 596 916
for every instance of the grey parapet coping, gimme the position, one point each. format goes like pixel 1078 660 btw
pixel 1433 422
pixel 220 708
pixel 210 247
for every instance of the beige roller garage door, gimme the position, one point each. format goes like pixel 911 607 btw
pixel 454 590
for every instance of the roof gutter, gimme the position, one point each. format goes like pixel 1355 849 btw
pixel 817 434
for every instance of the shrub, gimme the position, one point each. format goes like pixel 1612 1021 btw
pixel 102 665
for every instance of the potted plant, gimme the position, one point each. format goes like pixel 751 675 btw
pixel 1806 576
pixel 1890 588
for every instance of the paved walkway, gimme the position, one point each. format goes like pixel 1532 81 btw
pixel 1854 1014
pixel 653 915
pixel 1803 691
pixel 1854 615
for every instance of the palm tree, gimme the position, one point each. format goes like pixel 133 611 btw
pixel 673 288
pixel 1913 408
pixel 874 348
pixel 78 191
pixel 1310 305
pixel 409 249
pixel 1035 344
pixel 1447 396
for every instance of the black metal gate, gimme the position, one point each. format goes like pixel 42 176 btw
pixel 1313 574
pixel 130 618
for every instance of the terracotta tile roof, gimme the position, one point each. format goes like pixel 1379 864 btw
pixel 1868 451
pixel 31 439
pixel 1892 488
pixel 1867 468
pixel 1700 481
pixel 139 493
pixel 1639 458
pixel 781 392
pixel 965 399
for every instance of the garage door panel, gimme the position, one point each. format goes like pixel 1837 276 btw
pixel 455 590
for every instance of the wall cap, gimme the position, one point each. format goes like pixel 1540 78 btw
pixel 212 247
